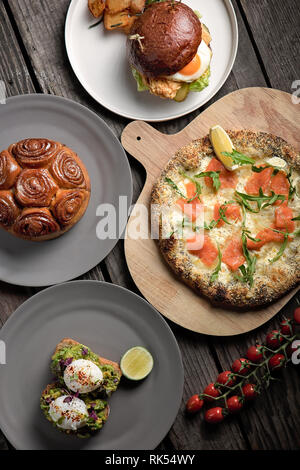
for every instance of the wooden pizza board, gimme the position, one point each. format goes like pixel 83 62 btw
pixel 259 109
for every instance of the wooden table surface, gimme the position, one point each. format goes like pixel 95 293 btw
pixel 33 60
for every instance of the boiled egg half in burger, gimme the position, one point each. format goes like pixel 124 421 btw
pixel 196 68
pixel 83 376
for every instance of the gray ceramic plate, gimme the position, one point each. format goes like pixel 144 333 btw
pixel 76 252
pixel 109 319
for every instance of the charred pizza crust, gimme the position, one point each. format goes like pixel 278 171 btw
pixel 270 284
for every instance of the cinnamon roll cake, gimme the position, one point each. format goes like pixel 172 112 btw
pixel 44 189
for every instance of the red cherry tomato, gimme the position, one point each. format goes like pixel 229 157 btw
pixel 212 391
pixel 226 378
pixel 297 315
pixel 249 391
pixel 287 328
pixel 214 415
pixel 194 404
pixel 276 361
pixel 241 366
pixel 235 404
pixel 255 354
pixel 274 339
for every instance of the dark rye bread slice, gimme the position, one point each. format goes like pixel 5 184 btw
pixel 65 342
pixel 46 391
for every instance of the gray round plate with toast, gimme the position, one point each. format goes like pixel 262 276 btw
pixel 110 320
pixel 79 250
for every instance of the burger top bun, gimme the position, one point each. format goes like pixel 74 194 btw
pixel 164 39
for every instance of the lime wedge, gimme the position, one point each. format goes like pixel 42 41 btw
pixel 136 363
pixel 221 142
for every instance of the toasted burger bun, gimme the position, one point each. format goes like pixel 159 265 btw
pixel 170 34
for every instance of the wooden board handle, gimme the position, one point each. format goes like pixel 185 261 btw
pixel 146 144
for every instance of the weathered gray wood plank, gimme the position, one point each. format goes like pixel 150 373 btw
pixel 275 29
pixel 13 72
pixel 41 28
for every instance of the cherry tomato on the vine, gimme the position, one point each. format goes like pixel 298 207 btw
pixel 194 404
pixel 274 339
pixel 226 378
pixel 214 415
pixel 235 404
pixel 297 315
pixel 254 353
pixel 212 391
pixel 276 361
pixel 287 328
pixel 241 366
pixel 249 391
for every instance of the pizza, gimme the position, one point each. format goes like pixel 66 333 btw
pixel 233 236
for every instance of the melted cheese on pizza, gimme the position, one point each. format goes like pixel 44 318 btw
pixel 180 223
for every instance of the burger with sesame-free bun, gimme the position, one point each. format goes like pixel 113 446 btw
pixel 169 51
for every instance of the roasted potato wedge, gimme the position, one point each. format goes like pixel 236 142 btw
pixel 126 29
pixel 96 7
pixel 115 6
pixel 116 20
pixel 136 6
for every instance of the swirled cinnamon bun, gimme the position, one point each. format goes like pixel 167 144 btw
pixel 9 170
pixel 9 211
pixel 35 188
pixel 69 205
pixel 68 171
pixel 35 153
pixel 36 224
pixel 44 189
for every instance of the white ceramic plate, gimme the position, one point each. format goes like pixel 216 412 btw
pixel 98 58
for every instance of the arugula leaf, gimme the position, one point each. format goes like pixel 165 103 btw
pixel 239 158
pixel 175 187
pixel 196 183
pixel 259 169
pixel 211 225
pixel 214 175
pixel 247 232
pixel 249 270
pixel 244 202
pixel 292 188
pixel 222 214
pixel 269 200
pixel 215 273
pixel 282 248
pixel 296 218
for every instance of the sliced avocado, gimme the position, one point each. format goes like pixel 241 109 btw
pixel 182 93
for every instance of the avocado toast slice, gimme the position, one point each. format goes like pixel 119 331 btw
pixel 68 350
pixel 97 410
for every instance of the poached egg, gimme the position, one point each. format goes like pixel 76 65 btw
pixel 69 413
pixel 196 68
pixel 83 376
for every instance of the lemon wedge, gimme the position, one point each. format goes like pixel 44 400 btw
pixel 136 363
pixel 221 142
